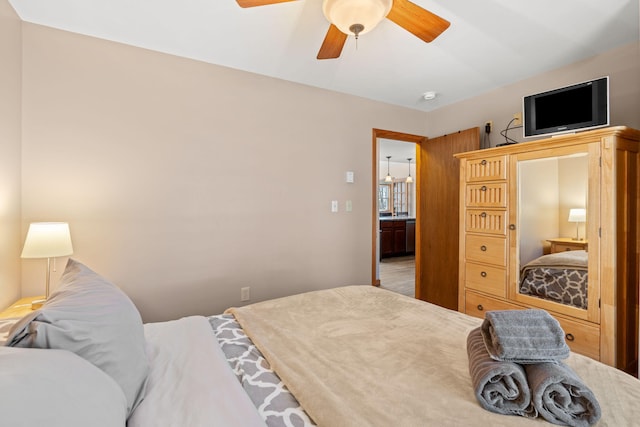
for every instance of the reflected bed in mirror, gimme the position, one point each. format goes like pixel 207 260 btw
pixel 549 188
pixel 561 277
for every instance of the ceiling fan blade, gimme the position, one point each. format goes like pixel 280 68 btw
pixel 418 21
pixel 333 43
pixel 253 3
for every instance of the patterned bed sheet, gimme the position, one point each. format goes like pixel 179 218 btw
pixel 277 406
pixel 557 277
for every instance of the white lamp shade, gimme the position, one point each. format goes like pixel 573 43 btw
pixel 47 240
pixel 344 13
pixel 577 215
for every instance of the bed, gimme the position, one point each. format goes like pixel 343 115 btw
pixel 348 356
pixel 561 277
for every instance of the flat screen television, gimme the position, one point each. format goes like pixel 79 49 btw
pixel 569 109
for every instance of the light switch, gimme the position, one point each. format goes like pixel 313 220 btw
pixel 348 206
pixel 334 206
pixel 350 177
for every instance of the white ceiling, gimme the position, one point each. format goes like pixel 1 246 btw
pixel 490 43
pixel 398 150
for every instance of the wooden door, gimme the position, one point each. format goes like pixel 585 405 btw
pixel 439 212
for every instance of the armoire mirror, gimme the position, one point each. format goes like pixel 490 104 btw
pixel 552 238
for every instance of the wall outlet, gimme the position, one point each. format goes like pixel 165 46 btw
pixel 245 294
pixel 517 119
pixel 348 206
pixel 488 126
pixel 334 206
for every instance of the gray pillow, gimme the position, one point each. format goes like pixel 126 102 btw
pixel 94 319
pixel 56 388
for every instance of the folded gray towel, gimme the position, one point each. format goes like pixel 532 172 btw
pixel 500 387
pixel 524 336
pixel 560 396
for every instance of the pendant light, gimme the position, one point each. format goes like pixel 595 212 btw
pixel 388 178
pixel 409 179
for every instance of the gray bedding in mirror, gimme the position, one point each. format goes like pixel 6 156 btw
pixel 560 277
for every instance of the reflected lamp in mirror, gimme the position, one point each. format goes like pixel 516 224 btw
pixel 47 240
pixel 577 215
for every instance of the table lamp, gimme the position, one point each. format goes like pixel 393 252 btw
pixel 577 215
pixel 47 240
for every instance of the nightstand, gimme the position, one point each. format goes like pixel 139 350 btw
pixel 20 308
pixel 562 244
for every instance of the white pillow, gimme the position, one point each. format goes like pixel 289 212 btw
pixel 56 388
pixel 94 319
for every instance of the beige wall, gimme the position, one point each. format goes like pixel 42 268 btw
pixel 146 155
pixel 10 235
pixel 538 195
pixel 622 65
pixel 183 182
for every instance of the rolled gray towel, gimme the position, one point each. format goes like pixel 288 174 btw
pixel 524 336
pixel 560 396
pixel 500 387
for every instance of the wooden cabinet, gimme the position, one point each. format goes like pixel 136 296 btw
pixel 397 237
pixel 514 203
pixel 411 236
pixel 562 244
pixel 485 225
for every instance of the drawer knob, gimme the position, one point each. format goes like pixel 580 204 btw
pixel 483 248
pixel 483 162
pixel 483 215
pixel 483 274
pixel 483 188
pixel 480 307
pixel 512 226
pixel 570 337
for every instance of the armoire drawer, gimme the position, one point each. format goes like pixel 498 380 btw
pixel 486 169
pixel 487 195
pixel 581 337
pixel 486 221
pixel 489 249
pixel 477 305
pixel 485 278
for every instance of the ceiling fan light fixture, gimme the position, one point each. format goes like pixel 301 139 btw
pixel 353 15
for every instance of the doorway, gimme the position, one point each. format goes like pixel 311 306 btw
pixel 395 211
pixel 437 212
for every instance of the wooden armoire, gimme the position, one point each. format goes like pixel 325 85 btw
pixel 514 204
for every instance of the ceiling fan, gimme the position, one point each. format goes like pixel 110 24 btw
pixel 355 17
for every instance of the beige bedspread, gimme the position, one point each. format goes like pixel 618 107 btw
pixel 362 356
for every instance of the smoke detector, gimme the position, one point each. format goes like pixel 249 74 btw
pixel 428 96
